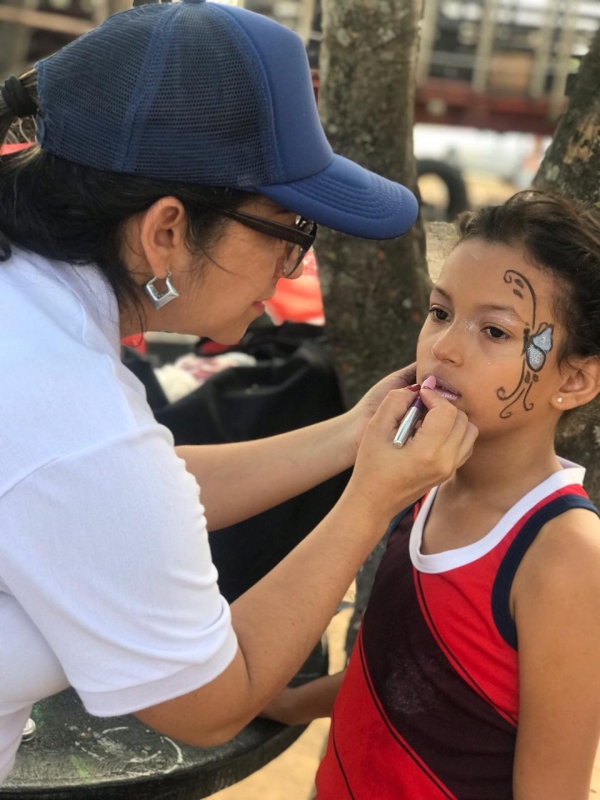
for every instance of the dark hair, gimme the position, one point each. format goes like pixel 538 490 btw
pixel 74 213
pixel 559 236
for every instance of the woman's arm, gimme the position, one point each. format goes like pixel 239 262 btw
pixel 279 620
pixel 240 480
pixel 302 704
pixel 557 612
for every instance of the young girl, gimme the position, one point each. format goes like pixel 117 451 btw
pixel 474 675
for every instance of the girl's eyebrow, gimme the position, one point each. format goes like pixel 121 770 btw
pixel 485 306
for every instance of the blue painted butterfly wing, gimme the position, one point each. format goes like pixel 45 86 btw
pixel 537 346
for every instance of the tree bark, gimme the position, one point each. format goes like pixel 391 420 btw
pixel 571 167
pixel 375 293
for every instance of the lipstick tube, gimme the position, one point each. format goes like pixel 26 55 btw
pixel 406 429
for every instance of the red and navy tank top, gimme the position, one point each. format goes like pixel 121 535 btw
pixel 429 706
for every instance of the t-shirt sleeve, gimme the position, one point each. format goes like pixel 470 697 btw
pixel 107 551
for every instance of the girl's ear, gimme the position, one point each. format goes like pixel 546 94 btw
pixel 581 383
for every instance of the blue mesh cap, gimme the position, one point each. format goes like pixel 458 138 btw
pixel 213 95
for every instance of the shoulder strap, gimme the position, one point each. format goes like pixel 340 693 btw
pixel 413 507
pixel 514 555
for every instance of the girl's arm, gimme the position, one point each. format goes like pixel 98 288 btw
pixel 556 606
pixel 303 704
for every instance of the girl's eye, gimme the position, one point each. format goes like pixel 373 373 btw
pixel 496 333
pixel 438 314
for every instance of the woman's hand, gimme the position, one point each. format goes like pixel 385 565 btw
pixel 388 478
pixel 359 417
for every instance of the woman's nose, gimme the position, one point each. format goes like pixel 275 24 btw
pixel 448 347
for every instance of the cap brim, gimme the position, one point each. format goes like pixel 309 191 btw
pixel 350 199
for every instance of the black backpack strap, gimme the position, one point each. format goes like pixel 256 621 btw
pixel 514 555
pixel 397 520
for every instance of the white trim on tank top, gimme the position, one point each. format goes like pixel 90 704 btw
pixel 452 559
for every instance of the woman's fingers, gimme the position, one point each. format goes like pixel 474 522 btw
pixel 447 427
pixel 389 478
pixel 391 411
pixel 406 376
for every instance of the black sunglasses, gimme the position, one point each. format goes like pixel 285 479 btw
pixel 299 237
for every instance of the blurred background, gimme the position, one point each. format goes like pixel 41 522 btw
pixel 493 76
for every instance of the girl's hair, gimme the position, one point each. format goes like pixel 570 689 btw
pixel 558 236
pixel 74 213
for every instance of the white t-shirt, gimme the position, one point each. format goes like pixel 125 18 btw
pixel 106 578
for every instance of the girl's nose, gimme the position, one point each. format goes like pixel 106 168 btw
pixel 447 346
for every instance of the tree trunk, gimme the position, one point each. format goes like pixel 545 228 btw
pixel 571 167
pixel 375 293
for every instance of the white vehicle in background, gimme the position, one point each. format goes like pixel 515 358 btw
pixel 493 76
pixel 492 80
pixel 462 167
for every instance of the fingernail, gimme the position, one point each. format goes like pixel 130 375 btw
pixel 429 383
pixel 414 388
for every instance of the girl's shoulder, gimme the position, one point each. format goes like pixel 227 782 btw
pixel 563 561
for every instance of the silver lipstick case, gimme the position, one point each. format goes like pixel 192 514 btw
pixel 407 426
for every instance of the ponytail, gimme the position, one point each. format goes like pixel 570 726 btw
pixel 18 100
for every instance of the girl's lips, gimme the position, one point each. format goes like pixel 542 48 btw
pixel 446 394
pixel 445 389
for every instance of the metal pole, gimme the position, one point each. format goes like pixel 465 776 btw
pixel 564 55
pixel 543 50
pixel 100 11
pixel 43 19
pixel 15 38
pixel 485 45
pixel 305 18
pixel 427 42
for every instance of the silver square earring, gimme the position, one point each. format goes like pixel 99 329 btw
pixel 157 298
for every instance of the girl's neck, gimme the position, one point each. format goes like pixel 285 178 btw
pixel 504 470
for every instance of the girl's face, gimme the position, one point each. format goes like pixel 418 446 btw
pixel 491 339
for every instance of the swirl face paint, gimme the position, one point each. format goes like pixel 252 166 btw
pixel 536 346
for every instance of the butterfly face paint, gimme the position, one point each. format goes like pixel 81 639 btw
pixel 536 346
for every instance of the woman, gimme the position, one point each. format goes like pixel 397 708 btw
pixel 180 158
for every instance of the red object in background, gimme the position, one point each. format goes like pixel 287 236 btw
pixel 137 342
pixel 6 149
pixel 299 300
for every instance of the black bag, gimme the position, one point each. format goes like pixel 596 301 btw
pixel 293 385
